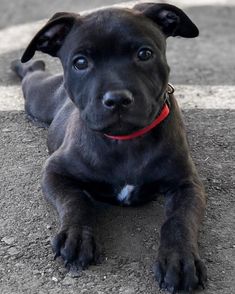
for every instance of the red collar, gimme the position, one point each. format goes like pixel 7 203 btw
pixel 163 114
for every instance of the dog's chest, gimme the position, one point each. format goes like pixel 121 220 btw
pixel 127 181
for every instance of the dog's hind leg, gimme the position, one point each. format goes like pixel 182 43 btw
pixel 43 92
pixel 23 69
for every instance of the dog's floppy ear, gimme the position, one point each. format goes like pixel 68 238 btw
pixel 51 37
pixel 171 20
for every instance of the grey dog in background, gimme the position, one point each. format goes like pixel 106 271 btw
pixel 105 139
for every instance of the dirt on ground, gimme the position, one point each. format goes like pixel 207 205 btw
pixel 128 237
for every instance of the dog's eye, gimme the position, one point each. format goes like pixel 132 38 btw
pixel 80 63
pixel 144 54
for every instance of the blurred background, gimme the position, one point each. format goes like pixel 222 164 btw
pixel 23 11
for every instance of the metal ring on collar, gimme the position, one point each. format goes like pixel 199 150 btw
pixel 170 89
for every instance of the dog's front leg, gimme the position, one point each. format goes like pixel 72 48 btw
pixel 75 240
pixel 179 266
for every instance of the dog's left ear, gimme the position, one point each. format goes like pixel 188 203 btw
pixel 171 20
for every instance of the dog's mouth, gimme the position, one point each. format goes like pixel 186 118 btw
pixel 119 128
pixel 121 124
pixel 115 128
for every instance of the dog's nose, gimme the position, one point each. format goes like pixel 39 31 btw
pixel 117 99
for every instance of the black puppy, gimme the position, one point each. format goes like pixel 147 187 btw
pixel 116 134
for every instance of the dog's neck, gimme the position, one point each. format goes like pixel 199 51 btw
pixel 165 110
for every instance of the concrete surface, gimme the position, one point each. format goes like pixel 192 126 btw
pixel 202 71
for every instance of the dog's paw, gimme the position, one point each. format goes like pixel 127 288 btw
pixel 176 271
pixel 76 246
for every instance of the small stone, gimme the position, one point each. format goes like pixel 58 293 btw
pixel 68 281
pixel 127 290
pixel 74 274
pixel 209 260
pixel 54 279
pixel 8 240
pixel 18 264
pixel 26 140
pixel 48 227
pixel 6 130
pixel 154 247
pixel 36 272
pixel 13 251
pixel 134 265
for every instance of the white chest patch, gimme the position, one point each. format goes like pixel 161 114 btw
pixel 125 193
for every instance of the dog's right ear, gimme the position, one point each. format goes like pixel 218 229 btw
pixel 51 37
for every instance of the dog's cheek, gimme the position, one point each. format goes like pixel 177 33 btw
pixel 154 76
pixel 75 90
pixel 158 79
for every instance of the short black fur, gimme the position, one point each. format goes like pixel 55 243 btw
pixel 85 165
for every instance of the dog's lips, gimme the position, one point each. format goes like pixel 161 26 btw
pixel 119 129
pixel 114 128
pixel 123 124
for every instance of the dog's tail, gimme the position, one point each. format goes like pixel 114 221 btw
pixel 22 69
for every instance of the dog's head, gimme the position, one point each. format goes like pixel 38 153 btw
pixel 114 61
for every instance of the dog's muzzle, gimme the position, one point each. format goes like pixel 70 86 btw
pixel 163 114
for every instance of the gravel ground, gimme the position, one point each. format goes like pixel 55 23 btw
pixel 203 74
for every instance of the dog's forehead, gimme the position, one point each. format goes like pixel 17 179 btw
pixel 117 25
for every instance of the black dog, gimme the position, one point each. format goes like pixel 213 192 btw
pixel 116 134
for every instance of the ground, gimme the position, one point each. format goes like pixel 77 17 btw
pixel 202 71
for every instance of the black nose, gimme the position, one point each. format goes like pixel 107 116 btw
pixel 117 99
